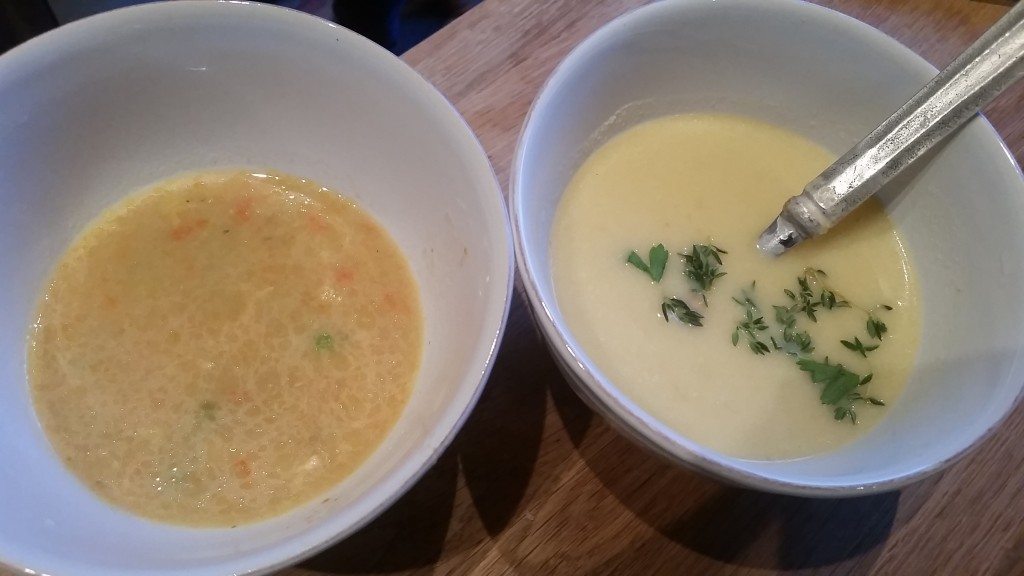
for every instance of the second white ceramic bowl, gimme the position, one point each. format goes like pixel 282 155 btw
pixel 833 79
pixel 97 109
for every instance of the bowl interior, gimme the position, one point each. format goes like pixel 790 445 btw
pixel 832 79
pixel 104 106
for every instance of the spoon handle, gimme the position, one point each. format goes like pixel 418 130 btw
pixel 991 64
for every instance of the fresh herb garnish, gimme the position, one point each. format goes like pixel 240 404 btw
pixel 806 302
pixel 324 341
pixel 838 381
pixel 758 347
pixel 657 257
pixel 702 267
pixel 802 341
pixel 841 412
pixel 876 328
pixel 682 311
pixel 859 347
pixel 829 300
pixel 752 323
pixel 840 387
pixel 798 343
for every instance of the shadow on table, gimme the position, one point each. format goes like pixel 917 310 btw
pixel 729 524
pixel 411 533
pixel 499 446
pixel 497 451
pixel 811 532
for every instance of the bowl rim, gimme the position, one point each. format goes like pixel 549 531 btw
pixel 599 392
pixel 325 532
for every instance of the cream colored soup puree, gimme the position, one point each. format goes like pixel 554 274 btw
pixel 224 347
pixel 717 180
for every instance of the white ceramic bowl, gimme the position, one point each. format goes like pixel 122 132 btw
pixel 95 110
pixel 831 78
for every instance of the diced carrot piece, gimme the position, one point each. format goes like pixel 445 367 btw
pixel 316 222
pixel 181 231
pixel 242 209
pixel 344 276
pixel 241 468
pixel 185 229
pixel 394 303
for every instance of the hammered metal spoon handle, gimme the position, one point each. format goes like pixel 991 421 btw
pixel 991 64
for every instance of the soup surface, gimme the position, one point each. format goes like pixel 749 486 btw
pixel 224 347
pixel 718 180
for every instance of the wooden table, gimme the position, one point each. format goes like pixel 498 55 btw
pixel 538 484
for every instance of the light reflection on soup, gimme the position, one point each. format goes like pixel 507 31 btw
pixel 224 347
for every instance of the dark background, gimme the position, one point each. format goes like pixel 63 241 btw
pixel 395 24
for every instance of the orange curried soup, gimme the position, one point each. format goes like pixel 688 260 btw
pixel 224 347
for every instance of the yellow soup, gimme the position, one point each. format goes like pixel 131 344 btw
pixel 224 347
pixel 719 180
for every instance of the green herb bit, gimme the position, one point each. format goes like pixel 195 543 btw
pixel 840 387
pixel 801 340
pixel 829 300
pixel 681 311
pixel 758 347
pixel 700 266
pixel 324 341
pixel 805 287
pixel 841 412
pixel 876 328
pixel 798 343
pixel 858 397
pixel 805 299
pixel 750 325
pixel 859 347
pixel 657 258
pixel 208 410
pixel 838 382
pixel 784 316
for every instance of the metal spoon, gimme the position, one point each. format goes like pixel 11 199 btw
pixel 991 64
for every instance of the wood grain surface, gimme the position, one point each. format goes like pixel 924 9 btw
pixel 537 484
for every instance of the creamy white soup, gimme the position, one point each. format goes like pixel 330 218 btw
pixel 788 357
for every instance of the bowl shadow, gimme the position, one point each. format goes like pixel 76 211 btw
pixel 726 523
